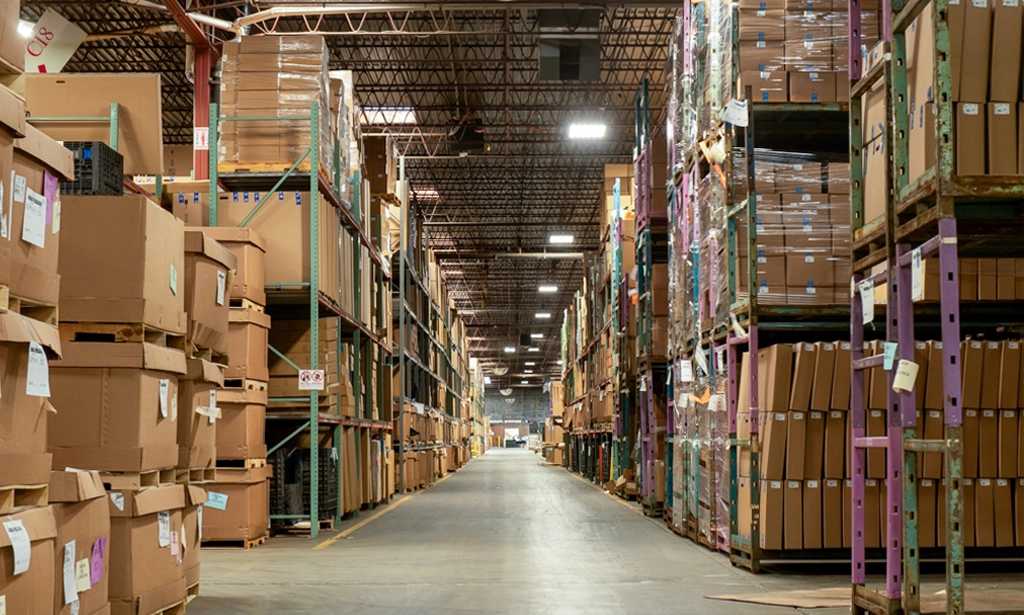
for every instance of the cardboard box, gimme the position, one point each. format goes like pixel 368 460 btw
pixel 972 354
pixel 814 445
pixel 772 514
pixel 145 575
pixel 762 25
pixel 23 417
pixel 968 270
pixel 988 443
pixel 1005 63
pixel 767 87
pixel 12 43
pixel 984 517
pixel 1006 279
pixel 197 407
pixel 1020 447
pixel 841 377
pixel 970 139
pixel 775 368
pixel 931 463
pixel 832 513
pixel 926 513
pixel 990 365
pixel 796 439
pixel 762 56
pixel 250 250
pixel 31 591
pixel 1018 506
pixel 976 50
pixel 933 398
pixel 774 428
pixel 876 456
pixel 208 272
pixel 970 429
pixel 122 261
pixel 140 121
pixel 812 87
pixel 805 358
pixel 824 372
pixel 812 510
pixel 82 515
pixel 248 336
pixel 878 379
pixel 1007 434
pixel 1002 136
pixel 248 506
pixel 1002 509
pixel 192 535
pixel 35 240
pixel 118 423
pixel 835 444
pixel 793 533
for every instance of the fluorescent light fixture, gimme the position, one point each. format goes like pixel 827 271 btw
pixel 532 349
pixel 529 364
pixel 524 382
pixel 509 349
pixel 561 239
pixel 537 336
pixel 547 288
pixel 453 272
pixel 527 371
pixel 559 362
pixel 487 379
pixel 472 362
pixel 543 315
pixel 25 28
pixel 587 131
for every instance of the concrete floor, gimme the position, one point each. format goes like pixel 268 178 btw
pixel 502 535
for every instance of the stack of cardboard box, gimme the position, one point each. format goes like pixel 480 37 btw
pixel 797 50
pixel 239 506
pixel 82 514
pixel 292 339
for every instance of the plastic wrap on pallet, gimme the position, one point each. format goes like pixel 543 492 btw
pixel 720 445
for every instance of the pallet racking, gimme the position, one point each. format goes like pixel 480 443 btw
pixel 306 300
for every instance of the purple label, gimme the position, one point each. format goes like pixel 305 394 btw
pixel 99 552
pixel 50 187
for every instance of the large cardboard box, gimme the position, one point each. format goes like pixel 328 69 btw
pixel 832 513
pixel 796 438
pixel 191 536
pixel 926 513
pixel 198 413
pixel 284 224
pixel 23 416
pixel 772 512
pixel 1007 434
pixel 208 272
pixel 145 549
pixel 33 590
pixel 841 378
pixel 1005 65
pixel 793 533
pixel 82 515
pixel 988 444
pixel 767 87
pixel 1002 509
pixel 140 121
pixel 1002 137
pixel 970 429
pixel 812 510
pixel 824 370
pixel 806 355
pixel 814 445
pixel 117 405
pixel 248 336
pixel 775 368
pixel 12 43
pixel 976 50
pixel 970 138
pixel 250 250
pixel 773 430
pixel 246 514
pixel 835 444
pixel 35 214
pixel 122 261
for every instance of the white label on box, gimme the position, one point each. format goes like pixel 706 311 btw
pixel 871 482
pixel 993 345
pixel 831 482
pixel 935 414
pixel 812 290
pixel 835 414
pixel 33 227
pixel 165 387
pixel 816 415
pixel 311 380
pixel 76 607
pixel 762 260
pixel 1001 108
pixel 20 187
pixel 812 484
pixel 798 416
pixel 867 301
pixel 175 544
pixel 222 278
pixel 117 498
pixel 876 414
pixel 926 482
pixel 975 344
pixel 1009 414
pixel 687 370
pixel 906 376
pixel 70 588
pixel 988 414
pixel 55 224
pixel 3 605
pixel 163 521
pixel 217 501
pixel 213 406
pixel 199 515
pixel 979 4
pixel 38 381
pixel 1013 345
pixel 890 355
pixel 20 544
pixel 780 416
pixel 761 12
pixel 916 276
pixel 775 484
pixel 971 108
pixel 181 535
pixel 985 482
pixel 1002 482
pixel 174 408
pixel 808 258
pixel 794 484
pixel 971 412
pixel 82 575
pixel 173 280
pixel 762 44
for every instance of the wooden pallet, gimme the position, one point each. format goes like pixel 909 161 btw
pixel 192 592
pixel 247 304
pixel 326 525
pixel 177 608
pixel 195 476
pixel 119 333
pixel 133 481
pixel 246 464
pixel 244 543
pixel 245 383
pixel 13 497
pixel 228 167
pixel 30 309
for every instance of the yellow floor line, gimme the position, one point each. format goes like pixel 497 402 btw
pixel 394 505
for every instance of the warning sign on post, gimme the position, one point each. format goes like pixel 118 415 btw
pixel 311 380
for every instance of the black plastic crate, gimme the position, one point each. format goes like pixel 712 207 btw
pixel 99 170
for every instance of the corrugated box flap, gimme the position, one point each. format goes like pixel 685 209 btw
pixel 17 328
pixel 114 354
pixel 12 112
pixel 75 486
pixel 233 234
pixel 204 371
pixel 199 242
pixel 46 150
pixel 39 523
pixel 261 319
pixel 147 501
pixel 241 396
pixel 243 476
pixel 195 496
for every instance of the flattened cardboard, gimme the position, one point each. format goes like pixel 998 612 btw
pixel 835 444
pixel 814 446
pixel 772 514
pixel 988 442
pixel 812 506
pixel 970 428
pixel 1007 434
pixel 805 358
pixel 247 344
pixel 841 377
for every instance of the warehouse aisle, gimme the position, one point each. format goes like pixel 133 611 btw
pixel 502 535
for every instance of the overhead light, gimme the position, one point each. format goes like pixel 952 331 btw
pixel 537 336
pixel 524 382
pixel 389 116
pixel 472 362
pixel 453 271
pixel 25 28
pixel 543 315
pixel 562 239
pixel 527 371
pixel 532 349
pixel 509 349
pixel 559 362
pixel 546 288
pixel 587 131
pixel 529 364
pixel 487 379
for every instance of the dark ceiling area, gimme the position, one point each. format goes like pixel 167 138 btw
pixel 469 71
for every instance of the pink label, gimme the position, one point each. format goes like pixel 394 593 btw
pixel 99 552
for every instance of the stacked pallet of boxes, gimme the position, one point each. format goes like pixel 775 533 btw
pixel 82 568
pixel 28 583
pixel 122 267
pixel 239 507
